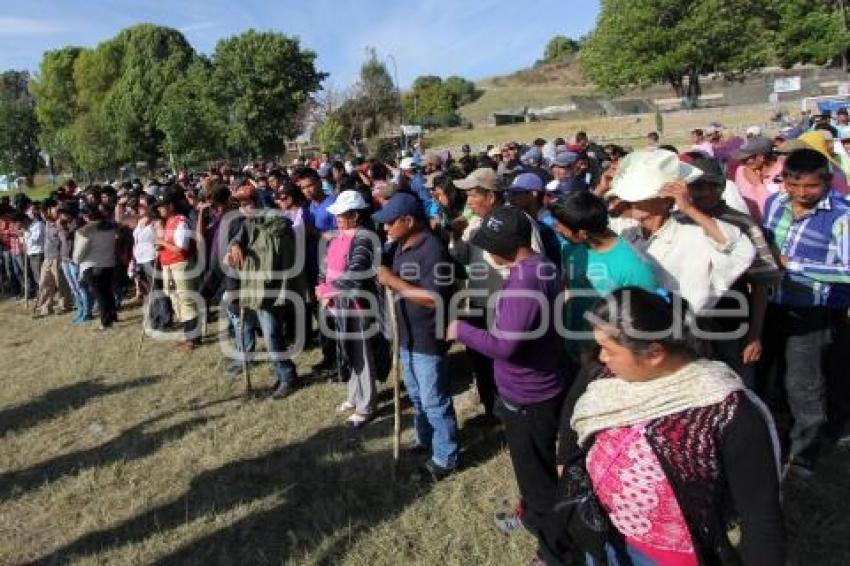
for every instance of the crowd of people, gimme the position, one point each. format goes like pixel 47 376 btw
pixel 658 332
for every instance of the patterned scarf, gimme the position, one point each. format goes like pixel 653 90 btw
pixel 614 402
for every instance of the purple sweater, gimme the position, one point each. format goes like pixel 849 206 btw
pixel 526 369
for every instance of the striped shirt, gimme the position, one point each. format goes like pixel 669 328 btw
pixel 817 246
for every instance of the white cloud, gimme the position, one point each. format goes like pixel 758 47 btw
pixel 28 27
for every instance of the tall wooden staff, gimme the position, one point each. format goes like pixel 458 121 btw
pixel 396 381
pixel 245 371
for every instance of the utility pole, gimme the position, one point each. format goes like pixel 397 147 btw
pixel 400 106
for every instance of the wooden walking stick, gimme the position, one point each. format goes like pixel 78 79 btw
pixel 26 281
pixel 245 371
pixel 396 382
pixel 145 302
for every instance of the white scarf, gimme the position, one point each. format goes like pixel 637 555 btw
pixel 614 402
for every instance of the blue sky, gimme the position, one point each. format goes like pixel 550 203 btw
pixel 474 39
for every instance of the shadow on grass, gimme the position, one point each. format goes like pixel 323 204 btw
pixel 132 444
pixel 56 401
pixel 328 491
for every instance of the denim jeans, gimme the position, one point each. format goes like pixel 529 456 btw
pixel 18 266
pixel 427 381
pixel 82 301
pixel 270 322
pixel 9 272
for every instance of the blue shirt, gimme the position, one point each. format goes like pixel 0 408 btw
pixel 817 246
pixel 323 220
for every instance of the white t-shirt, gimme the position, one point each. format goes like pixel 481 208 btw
pixel 144 247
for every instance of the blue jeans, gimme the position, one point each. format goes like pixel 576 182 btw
pixel 18 267
pixel 82 300
pixel 427 381
pixel 9 272
pixel 270 322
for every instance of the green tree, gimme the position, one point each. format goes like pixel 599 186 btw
pixel 374 103
pixel 640 42
pixel 264 80
pixel 462 90
pixel 809 31
pixel 560 48
pixel 192 121
pixel 152 59
pixel 18 125
pixel 331 136
pixel 55 97
pixel 430 105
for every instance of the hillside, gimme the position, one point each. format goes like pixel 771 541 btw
pixel 559 84
pixel 540 85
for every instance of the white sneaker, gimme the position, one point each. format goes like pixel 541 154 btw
pixel 345 407
pixel 357 420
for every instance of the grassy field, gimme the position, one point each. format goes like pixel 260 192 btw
pixel 110 459
pixel 626 130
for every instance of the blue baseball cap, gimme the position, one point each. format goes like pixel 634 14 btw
pixel 400 204
pixel 526 182
pixel 564 159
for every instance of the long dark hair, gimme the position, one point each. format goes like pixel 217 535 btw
pixel 636 319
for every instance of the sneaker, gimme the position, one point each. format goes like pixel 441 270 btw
pixel 357 420
pixel 281 390
pixel 509 522
pixel 345 407
pixel 435 472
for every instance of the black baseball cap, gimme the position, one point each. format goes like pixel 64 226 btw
pixel 504 231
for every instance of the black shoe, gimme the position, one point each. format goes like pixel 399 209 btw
pixel 434 471
pixel 323 368
pixel 282 390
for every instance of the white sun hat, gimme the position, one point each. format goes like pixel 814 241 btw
pixel 347 201
pixel 642 174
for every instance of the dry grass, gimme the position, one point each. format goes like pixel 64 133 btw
pixel 626 130
pixel 110 460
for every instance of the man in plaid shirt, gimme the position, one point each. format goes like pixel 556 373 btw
pixel 808 227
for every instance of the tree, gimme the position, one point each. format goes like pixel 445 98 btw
pixel 809 31
pixel 330 136
pixel 462 90
pixel 430 104
pixel 560 48
pixel 640 42
pixel 18 125
pixel 373 103
pixel 55 97
pixel 192 122
pixel 152 59
pixel 264 80
pixel 433 102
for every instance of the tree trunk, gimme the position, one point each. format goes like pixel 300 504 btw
pixel 694 91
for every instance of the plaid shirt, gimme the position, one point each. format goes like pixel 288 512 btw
pixel 817 246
